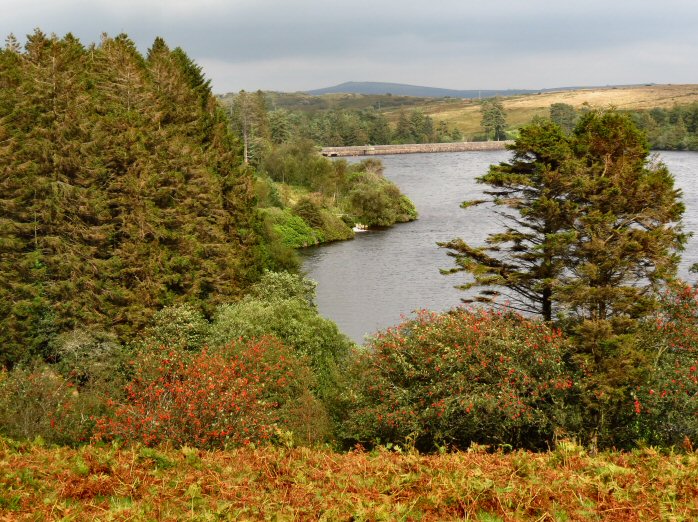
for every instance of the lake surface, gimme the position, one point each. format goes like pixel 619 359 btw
pixel 370 283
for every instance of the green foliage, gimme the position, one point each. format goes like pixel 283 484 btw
pixel 281 286
pixel 91 359
pixel 292 230
pixel 493 119
pixel 353 121
pixel 37 402
pixel 670 129
pixel 459 378
pixel 595 223
pixel 309 210
pixel 125 195
pixel 289 315
pixel 665 405
pixel 528 257
pixel 594 237
pixel 418 127
pixel 179 327
pixel 335 228
pixel 564 115
pixel 376 201
pixel 248 115
pixel 627 223
pixel 359 193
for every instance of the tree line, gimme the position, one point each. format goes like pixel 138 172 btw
pixel 335 127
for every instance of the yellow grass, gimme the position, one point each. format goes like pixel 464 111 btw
pixel 465 114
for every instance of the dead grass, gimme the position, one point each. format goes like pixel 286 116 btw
pixel 111 483
pixel 465 114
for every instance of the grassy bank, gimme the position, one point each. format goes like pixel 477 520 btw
pixel 279 483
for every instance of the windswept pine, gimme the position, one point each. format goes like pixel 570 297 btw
pixel 122 190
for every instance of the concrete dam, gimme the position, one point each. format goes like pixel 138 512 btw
pixel 378 150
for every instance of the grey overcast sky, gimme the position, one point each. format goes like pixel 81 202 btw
pixel 291 45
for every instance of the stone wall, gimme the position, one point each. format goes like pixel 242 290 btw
pixel 375 150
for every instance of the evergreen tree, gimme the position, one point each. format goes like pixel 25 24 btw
pixel 595 234
pixel 627 229
pixel 527 258
pixel 493 119
pixel 564 115
pixel 595 223
pixel 250 121
pixel 121 191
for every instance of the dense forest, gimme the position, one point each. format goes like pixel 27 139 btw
pixel 122 190
pixel 126 189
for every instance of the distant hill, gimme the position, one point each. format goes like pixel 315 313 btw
pixel 401 89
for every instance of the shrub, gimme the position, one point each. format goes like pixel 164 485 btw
pixel 460 377
pixel 292 230
pixel 90 359
pixel 309 209
pixel 241 393
pixel 665 407
pixel 279 286
pixel 376 201
pixel 282 305
pixel 181 326
pixel 39 402
pixel 334 228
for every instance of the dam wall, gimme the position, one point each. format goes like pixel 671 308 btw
pixel 377 150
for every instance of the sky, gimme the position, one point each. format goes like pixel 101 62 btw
pixel 296 45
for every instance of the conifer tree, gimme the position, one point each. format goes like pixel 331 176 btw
pixel 528 257
pixel 121 191
pixel 595 234
pixel 595 223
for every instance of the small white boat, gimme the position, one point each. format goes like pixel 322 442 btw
pixel 360 228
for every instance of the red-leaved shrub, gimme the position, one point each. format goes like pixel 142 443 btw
pixel 235 395
pixel 460 377
pixel 666 407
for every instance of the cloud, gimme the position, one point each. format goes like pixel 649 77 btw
pixel 451 43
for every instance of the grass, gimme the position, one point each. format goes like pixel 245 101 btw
pixel 465 114
pixel 279 483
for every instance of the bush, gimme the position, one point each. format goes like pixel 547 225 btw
pixel 665 407
pixel 334 228
pixel 309 209
pixel 279 286
pixel 457 378
pixel 39 402
pixel 90 359
pixel 282 305
pixel 375 201
pixel 292 230
pixel 244 392
pixel 181 326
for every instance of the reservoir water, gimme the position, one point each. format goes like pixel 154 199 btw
pixel 370 283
